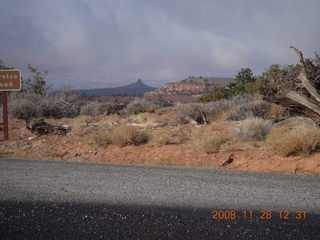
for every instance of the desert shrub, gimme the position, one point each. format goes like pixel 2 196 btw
pixel 100 138
pixel 252 129
pixel 213 109
pixel 139 106
pixel 278 79
pixel 301 140
pixel 242 107
pixel 212 141
pixel 128 135
pixel 183 112
pixel 24 108
pixel 58 108
pixel 237 107
pixel 96 109
pixel 89 109
pixel 163 104
pixel 26 105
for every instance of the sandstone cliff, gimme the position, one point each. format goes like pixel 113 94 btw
pixel 190 86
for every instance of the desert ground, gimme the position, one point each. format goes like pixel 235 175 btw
pixel 166 145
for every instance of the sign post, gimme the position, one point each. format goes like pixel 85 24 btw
pixel 10 80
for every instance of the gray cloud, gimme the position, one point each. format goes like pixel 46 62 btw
pixel 109 43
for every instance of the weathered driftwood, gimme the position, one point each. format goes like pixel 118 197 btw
pixel 40 127
pixel 148 124
pixel 203 118
pixel 310 106
pixel 296 97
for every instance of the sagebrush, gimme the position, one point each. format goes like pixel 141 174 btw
pixel 139 106
pixel 251 129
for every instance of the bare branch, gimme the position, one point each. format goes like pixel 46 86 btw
pixel 300 55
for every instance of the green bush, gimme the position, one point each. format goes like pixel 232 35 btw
pixel 245 82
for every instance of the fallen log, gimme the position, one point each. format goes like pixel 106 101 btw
pixel 40 127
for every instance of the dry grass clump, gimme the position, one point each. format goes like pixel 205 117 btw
pixel 252 129
pixel 100 138
pixel 301 140
pixel 212 141
pixel 128 135
pixel 165 136
pixel 161 137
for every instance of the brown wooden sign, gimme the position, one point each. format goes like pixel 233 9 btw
pixel 10 80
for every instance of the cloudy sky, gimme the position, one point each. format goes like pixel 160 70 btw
pixel 107 43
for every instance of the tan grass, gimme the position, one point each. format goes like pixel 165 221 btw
pixel 128 135
pixel 301 140
pixel 100 138
pixel 81 131
pixel 161 137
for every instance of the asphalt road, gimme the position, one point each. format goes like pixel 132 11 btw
pixel 69 200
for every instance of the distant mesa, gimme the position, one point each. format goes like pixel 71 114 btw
pixel 190 86
pixel 135 88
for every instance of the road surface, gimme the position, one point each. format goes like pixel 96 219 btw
pixel 73 200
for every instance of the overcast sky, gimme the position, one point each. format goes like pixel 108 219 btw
pixel 107 43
